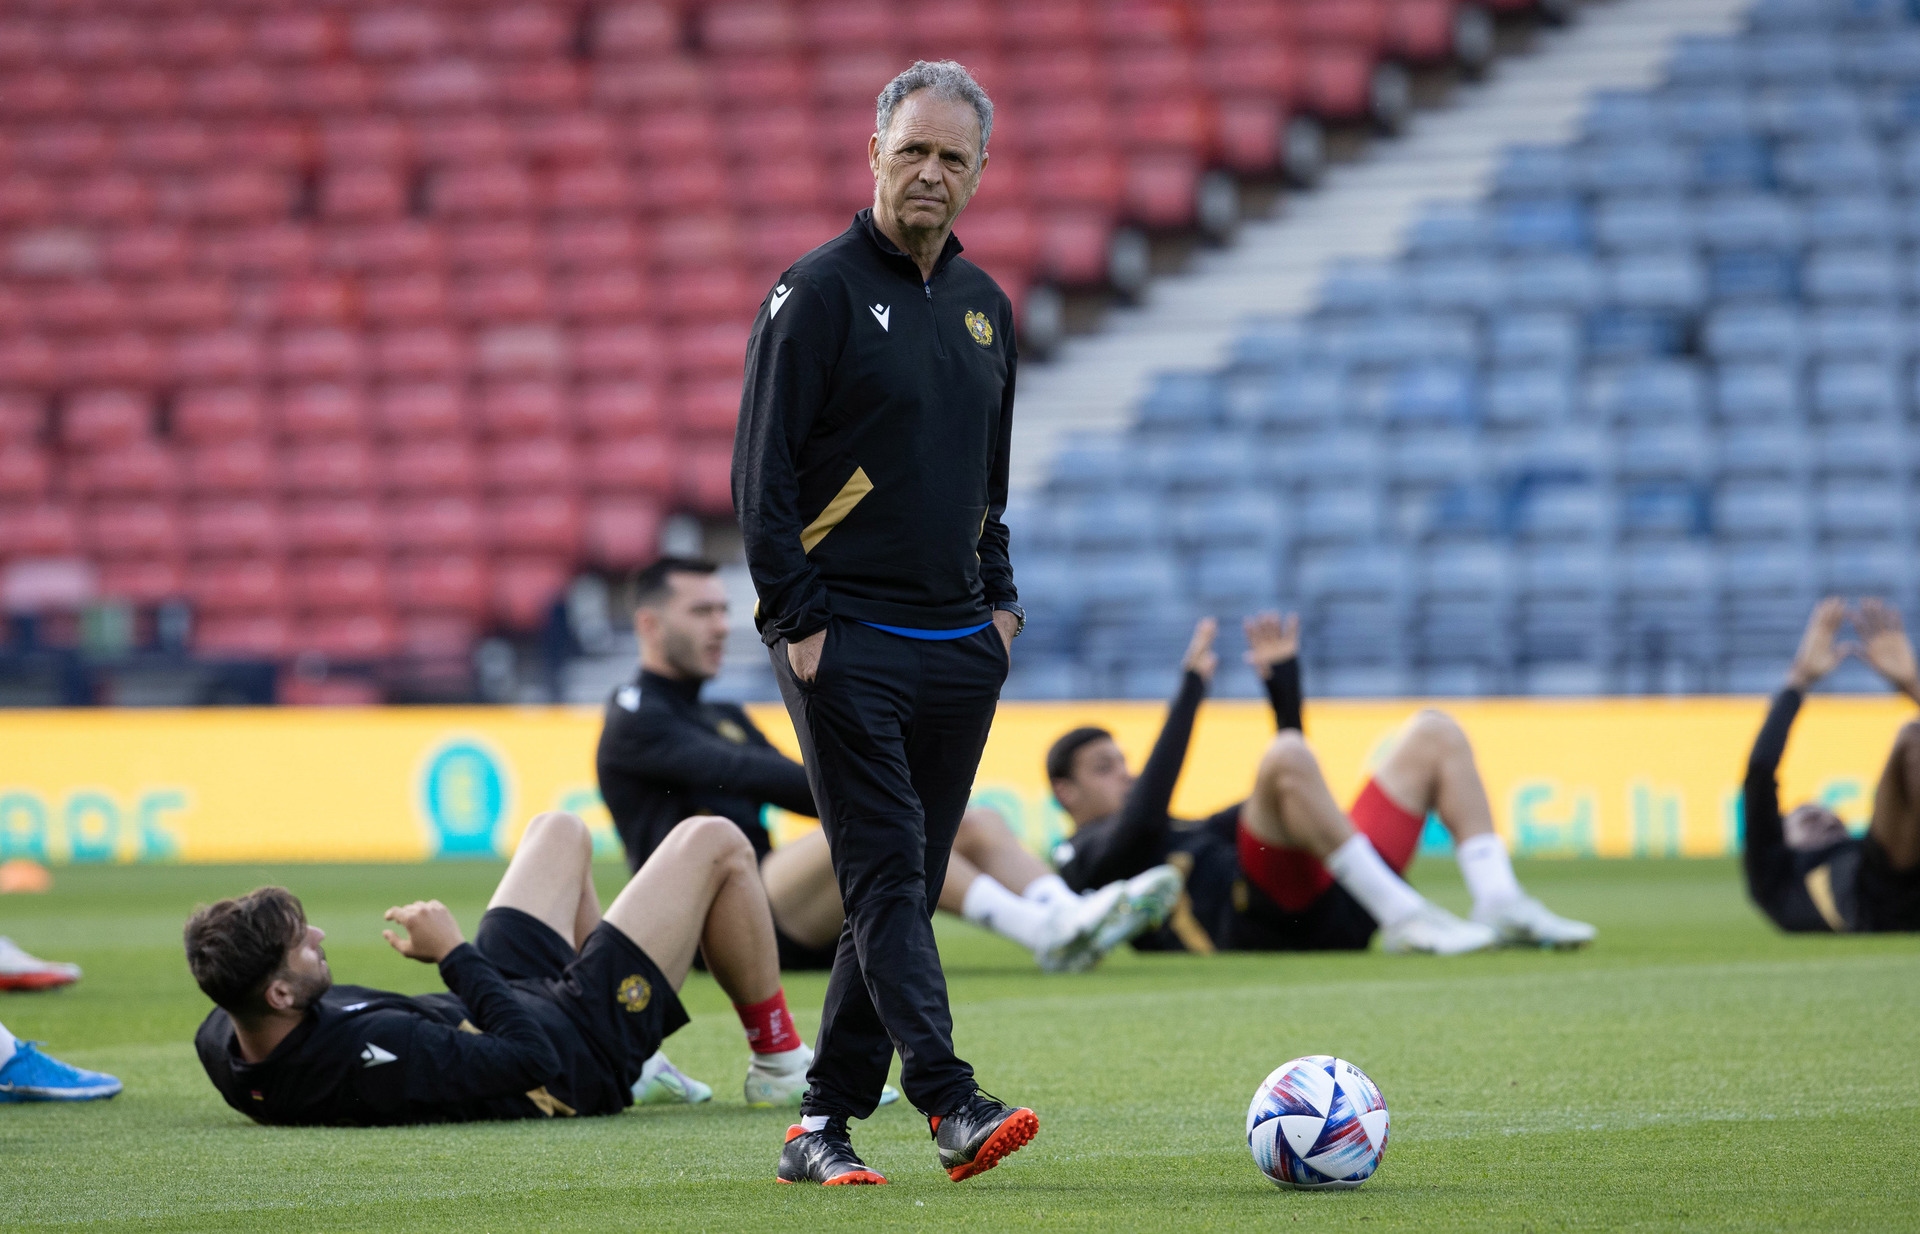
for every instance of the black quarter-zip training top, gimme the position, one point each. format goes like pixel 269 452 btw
pixel 870 462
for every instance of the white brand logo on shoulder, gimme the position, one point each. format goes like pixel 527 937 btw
pixel 628 698
pixel 374 1056
pixel 780 295
pixel 882 313
pixel 353 1007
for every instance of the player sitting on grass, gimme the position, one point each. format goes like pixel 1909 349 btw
pixel 28 1075
pixel 1286 870
pixel 552 1009
pixel 1807 871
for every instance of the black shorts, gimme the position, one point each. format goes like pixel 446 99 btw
pixel 611 992
pixel 1333 921
pixel 797 957
pixel 1885 900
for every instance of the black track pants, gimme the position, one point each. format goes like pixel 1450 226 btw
pixel 891 729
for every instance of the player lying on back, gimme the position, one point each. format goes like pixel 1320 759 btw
pixel 1807 871
pixel 550 1010
pixel 1287 870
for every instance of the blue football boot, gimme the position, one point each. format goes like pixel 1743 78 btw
pixel 32 1076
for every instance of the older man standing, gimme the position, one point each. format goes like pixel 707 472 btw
pixel 870 473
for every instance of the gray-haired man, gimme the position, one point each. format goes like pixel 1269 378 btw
pixel 870 473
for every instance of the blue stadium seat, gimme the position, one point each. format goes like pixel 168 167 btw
pixel 1240 578
pixel 1756 392
pixel 1118 521
pixel 1851 218
pixel 1451 229
pixel 1810 112
pixel 1867 568
pixel 1670 569
pixel 1768 512
pixel 1464 570
pixel 1754 332
pixel 1644 166
pixel 1683 450
pixel 1565 570
pixel 1299 399
pixel 1623 333
pixel 1470 633
pixel 1049 584
pixel 1126 581
pixel 1433 394
pixel 1852 274
pixel 1766 276
pixel 1792 59
pixel 1538 171
pixel 1859 450
pixel 1342 456
pixel 1627 223
pixel 1471 284
pixel 1558 453
pixel 1707 60
pixel 1542 225
pixel 1857 390
pixel 1553 281
pixel 1181 401
pixel 1464 513
pixel 1761 575
pixel 1776 450
pixel 1663 511
pixel 1362 570
pixel 1622 116
pixel 1274 343
pixel 1702 112
pixel 1083 466
pixel 1211 462
pixel 1852 510
pixel 1538 337
pixel 1044 677
pixel 1657 279
pixel 1565 512
pixel 1434 457
pixel 1653 391
pixel 1868 332
pixel 1363 287
pixel 1774 15
pixel 1739 221
pixel 1830 164
pixel 1906 163
pixel 1248 518
pixel 1724 164
pixel 1341 515
pixel 1529 396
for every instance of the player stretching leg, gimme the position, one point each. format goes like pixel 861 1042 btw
pixel 551 1009
pixel 1287 869
pixel 1807 872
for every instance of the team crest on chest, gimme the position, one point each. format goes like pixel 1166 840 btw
pixel 980 327
pixel 634 993
pixel 732 732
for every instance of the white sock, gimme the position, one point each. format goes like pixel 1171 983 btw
pixel 1488 871
pixel 6 1046
pixel 785 1060
pixel 1006 914
pixel 1371 881
pixel 813 1122
pixel 1048 889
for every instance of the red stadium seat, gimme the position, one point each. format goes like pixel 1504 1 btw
pixel 26 472
pixel 216 414
pixel 1254 69
pixel 691 186
pixel 636 30
pixel 38 529
pixel 1161 188
pixel 137 469
pixel 358 141
pixel 1358 24
pixel 319 353
pixel 1074 246
pixel 132 92
pixel 218 356
pixel 1250 133
pixel 421 408
pixel 453 85
pixel 842 25
pixel 593 244
pixel 26 361
pixel 617 408
pixel 23 416
pixel 709 293
pixel 1003 236
pixel 706 479
pixel 531 349
pixel 397 33
pixel 321 410
pixel 352 637
pixel 65 145
pixel 618 351
pixel 337 525
pixel 525 32
pixel 1240 21
pixel 748 79
pixel 148 580
pixel 126 528
pixel 406 298
pixel 89 305
pixel 282 144
pixel 488 243
pixel 535 523
pixel 185 304
pixel 244 467
pixel 615 293
pixel 27 200
pixel 363 193
pixel 254 636
pixel 501 294
pixel 111 197
pixel 1336 82
pixel 282 249
pixel 401 245
pixel 516 408
pixel 344 468
pixel 235 89
pixel 238 585
pixel 854 77
pixel 639 464
pixel 776 241
pixel 962 23
pixel 709 408
pixel 465 138
pixel 525 589
pixel 414 352
pixel 532 465
pixel 242 195
pixel 495 190
pixel 436 524
pixel 587 189
pixel 99 419
pixel 314 300
pixel 223 527
pixel 298 36
pixel 1047 23
pixel 736 26
pixel 431 466
pixel 123 357
pixel 552 83
pixel 1177 124
pixel 622 532
pixel 571 136
pixel 698 240
pixel 146 250
pixel 1089 178
pixel 167 143
pixel 333 584
pixel 441 583
pixel 711 350
pixel 437 636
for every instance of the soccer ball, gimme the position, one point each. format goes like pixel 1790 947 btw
pixel 1317 1122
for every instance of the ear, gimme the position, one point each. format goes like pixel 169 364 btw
pixel 873 154
pixel 278 995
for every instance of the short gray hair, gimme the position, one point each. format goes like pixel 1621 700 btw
pixel 948 80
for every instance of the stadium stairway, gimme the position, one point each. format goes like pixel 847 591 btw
pixel 1361 210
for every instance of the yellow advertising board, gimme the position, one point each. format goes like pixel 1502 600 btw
pixel 1610 778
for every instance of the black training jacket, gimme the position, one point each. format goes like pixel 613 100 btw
pixel 665 755
pixel 870 461
pixel 364 1057
pixel 1782 879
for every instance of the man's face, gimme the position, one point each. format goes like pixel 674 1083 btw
pixel 927 164
pixel 1812 826
pixel 305 976
pixel 684 634
pixel 1099 784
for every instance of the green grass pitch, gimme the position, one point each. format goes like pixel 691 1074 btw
pixel 1693 1070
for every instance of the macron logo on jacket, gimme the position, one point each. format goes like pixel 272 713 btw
pixel 779 298
pixel 882 313
pixel 373 1056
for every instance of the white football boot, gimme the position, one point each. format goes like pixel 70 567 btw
pixel 1435 931
pixel 20 971
pixel 1151 896
pixel 1074 927
pixel 1526 922
pixel 662 1083
pixel 777 1080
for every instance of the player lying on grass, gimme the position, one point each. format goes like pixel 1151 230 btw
pixel 28 1075
pixel 1286 870
pixel 1807 871
pixel 551 1010
pixel 665 754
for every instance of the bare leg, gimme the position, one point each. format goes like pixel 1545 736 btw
pixel 1896 803
pixel 1291 806
pixel 1431 769
pixel 551 876
pixel 990 847
pixel 960 876
pixel 702 889
pixel 802 892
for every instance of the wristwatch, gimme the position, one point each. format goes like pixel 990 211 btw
pixel 1020 614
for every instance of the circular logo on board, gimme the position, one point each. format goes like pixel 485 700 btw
pixel 463 793
pixel 980 327
pixel 634 993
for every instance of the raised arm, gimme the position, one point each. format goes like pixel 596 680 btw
pixel 1273 649
pixel 1885 647
pixel 1764 852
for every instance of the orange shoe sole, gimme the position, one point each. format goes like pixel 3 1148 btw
pixel 35 981
pixel 1008 1138
pixel 853 1178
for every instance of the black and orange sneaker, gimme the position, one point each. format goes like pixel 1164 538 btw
pixel 975 1137
pixel 825 1156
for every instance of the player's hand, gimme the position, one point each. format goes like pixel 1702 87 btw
pixel 1884 645
pixel 1819 654
pixel 803 657
pixel 431 931
pixel 1006 624
pixel 1200 657
pixel 1271 639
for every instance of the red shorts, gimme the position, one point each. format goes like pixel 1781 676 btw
pixel 1294 878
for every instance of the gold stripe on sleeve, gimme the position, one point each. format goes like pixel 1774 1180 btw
pixel 849 496
pixel 1820 889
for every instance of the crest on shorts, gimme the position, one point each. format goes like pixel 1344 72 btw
pixel 634 993
pixel 732 732
pixel 980 327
